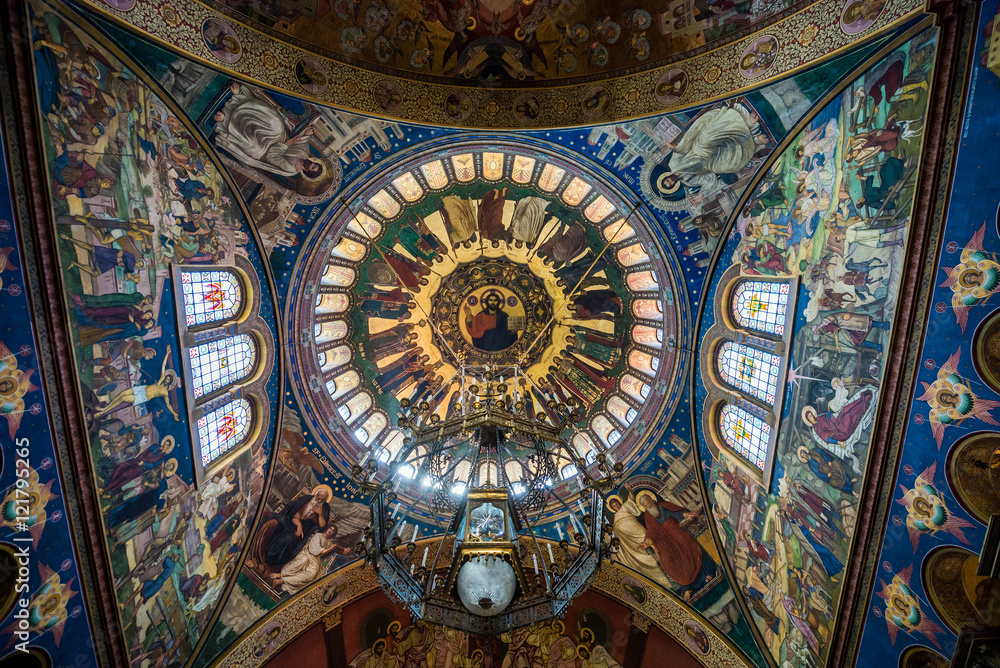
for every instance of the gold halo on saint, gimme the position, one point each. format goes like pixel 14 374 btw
pixel 642 495
pixel 515 314
pixel 167 444
pixel 668 189
pixel 329 492
pixel 613 497
pixel 558 626
pixel 170 467
pixel 378 647
pixel 395 627
pixel 230 474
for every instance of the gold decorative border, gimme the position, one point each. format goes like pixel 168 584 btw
pixel 804 39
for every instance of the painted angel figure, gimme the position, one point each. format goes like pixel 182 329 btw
pixel 926 512
pixel 951 400
pixel 975 278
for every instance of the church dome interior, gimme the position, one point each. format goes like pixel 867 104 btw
pixel 499 333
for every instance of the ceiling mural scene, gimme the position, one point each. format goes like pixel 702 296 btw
pixel 488 334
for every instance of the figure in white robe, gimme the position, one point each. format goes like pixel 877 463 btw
pixel 719 142
pixel 631 534
pixel 253 132
pixel 307 566
pixel 529 217
pixel 210 494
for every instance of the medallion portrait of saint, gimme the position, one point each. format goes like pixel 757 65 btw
pixel 492 328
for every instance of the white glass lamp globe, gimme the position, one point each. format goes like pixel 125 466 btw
pixel 486 585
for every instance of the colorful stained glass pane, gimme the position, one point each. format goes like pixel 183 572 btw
pixel 576 191
pixel 523 169
pixel 220 363
pixel 336 274
pixel 224 429
pixel 492 166
pixel 384 204
pixel 632 255
pixel 599 209
pixel 648 336
pixel 634 387
pixel 364 225
pixel 745 433
pixel 617 230
pixel 210 296
pixel 749 370
pixel 622 411
pixel 761 306
pixel 349 249
pixel 464 166
pixel 648 309
pixel 642 281
pixel 641 361
pixel 605 430
pixel 434 173
pixel 408 187
pixel 331 359
pixel 550 178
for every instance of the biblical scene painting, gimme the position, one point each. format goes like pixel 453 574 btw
pixel 507 41
pixel 820 247
pixel 171 321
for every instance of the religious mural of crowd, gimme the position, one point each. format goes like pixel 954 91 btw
pixel 509 41
pixel 832 210
pixel 133 191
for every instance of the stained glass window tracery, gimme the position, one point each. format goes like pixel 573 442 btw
pixel 749 370
pixel 210 296
pixel 745 433
pixel 222 362
pixel 761 306
pixel 223 429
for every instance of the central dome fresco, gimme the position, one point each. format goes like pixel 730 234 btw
pixel 487 256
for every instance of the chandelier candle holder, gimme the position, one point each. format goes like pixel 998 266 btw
pixel 491 470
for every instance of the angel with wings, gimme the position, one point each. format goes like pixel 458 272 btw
pixel 926 512
pixel 951 400
pixel 975 278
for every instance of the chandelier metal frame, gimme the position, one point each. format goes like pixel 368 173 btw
pixel 492 427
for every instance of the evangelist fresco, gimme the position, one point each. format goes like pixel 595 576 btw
pixel 945 485
pixel 158 270
pixel 33 518
pixel 811 294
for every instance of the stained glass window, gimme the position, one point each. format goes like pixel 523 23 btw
pixel 745 433
pixel 335 274
pixel 621 410
pixel 634 387
pixel 648 336
pixel 761 306
pixel 617 231
pixel 584 445
pixel 650 309
pixel 343 384
pixel 605 430
pixel 568 471
pixel 632 255
pixel 219 363
pixel 223 429
pixel 599 209
pixel 210 296
pixel 749 370
pixel 408 187
pixel 523 168
pixel 334 358
pixel 357 405
pixel 435 174
pixel 492 166
pixel 576 191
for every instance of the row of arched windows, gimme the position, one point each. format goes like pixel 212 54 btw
pixel 219 361
pixel 750 364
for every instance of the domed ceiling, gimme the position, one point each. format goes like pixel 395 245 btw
pixel 487 257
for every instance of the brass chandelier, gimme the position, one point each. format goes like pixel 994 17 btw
pixel 492 469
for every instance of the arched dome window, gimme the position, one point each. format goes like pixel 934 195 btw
pixel 219 363
pixel 749 370
pixel 224 429
pixel 761 306
pixel 745 433
pixel 210 296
